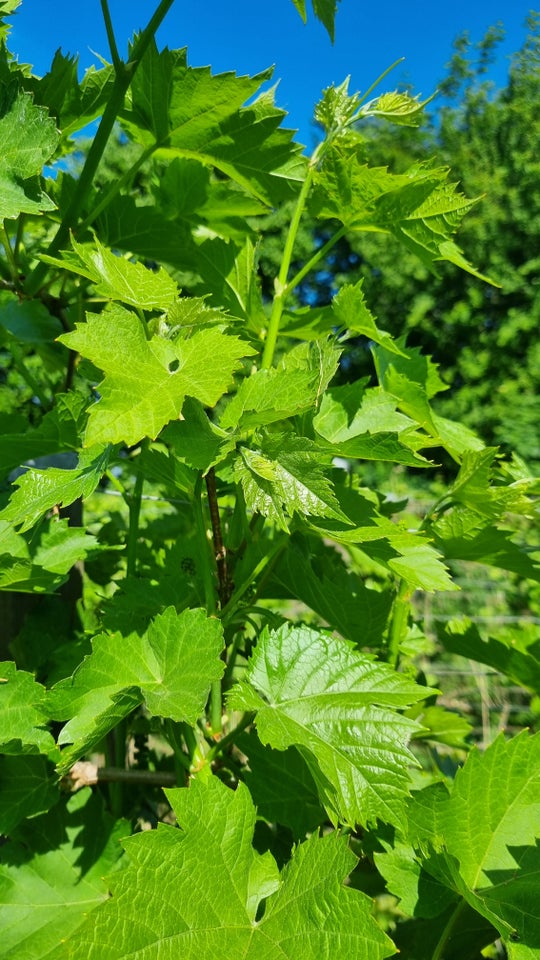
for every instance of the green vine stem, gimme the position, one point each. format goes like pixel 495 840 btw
pixel 117 63
pixel 220 552
pixel 221 745
pixel 211 600
pixel 134 506
pixel 124 73
pixel 10 255
pixel 314 260
pixel 400 613
pixel 281 280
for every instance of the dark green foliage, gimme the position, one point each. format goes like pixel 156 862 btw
pixel 206 579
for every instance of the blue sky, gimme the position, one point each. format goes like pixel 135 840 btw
pixel 250 35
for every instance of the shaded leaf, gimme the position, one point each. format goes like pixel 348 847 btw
pixel 53 874
pixel 286 474
pixel 281 786
pixel 24 715
pixel 513 657
pixel 27 788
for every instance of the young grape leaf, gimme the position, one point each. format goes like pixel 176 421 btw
pixel 169 901
pixel 170 667
pixel 28 138
pixel 116 278
pixel 52 875
pixel 147 380
pixel 337 108
pixel 41 490
pixel 397 107
pixel 340 708
pixel 29 788
pixel 188 112
pixel 286 474
pixel 418 207
pixel 352 313
pixel 24 715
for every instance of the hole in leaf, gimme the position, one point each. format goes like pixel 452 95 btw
pixel 173 366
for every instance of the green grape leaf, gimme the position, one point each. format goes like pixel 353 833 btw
pixel 464 534
pixel 195 440
pixel 170 667
pixel 146 381
pixel 337 108
pixel 187 112
pixel 420 894
pixel 291 388
pixel 73 104
pixel 20 575
pixel 286 474
pixel 512 656
pixel 441 726
pixel 340 708
pixel 324 10
pixel 41 490
pixel 61 546
pixel 485 834
pixel 364 424
pixel 28 788
pixel 418 207
pixel 24 715
pixel 478 486
pixel 59 431
pixel 43 567
pixel 28 139
pixel 308 912
pixel 352 313
pixel 27 321
pixel 228 275
pixel 53 875
pixel 116 278
pixel 400 550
